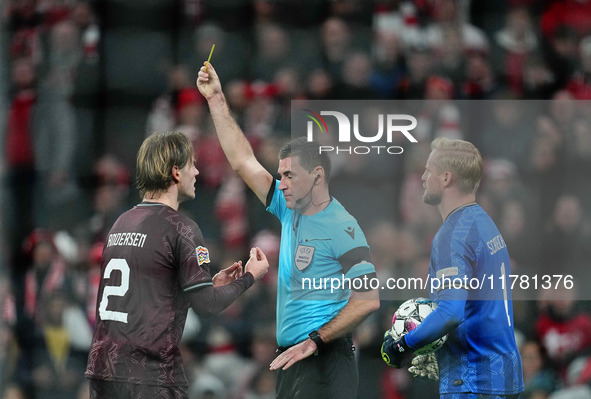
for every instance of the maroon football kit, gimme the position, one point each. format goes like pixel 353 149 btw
pixel 154 259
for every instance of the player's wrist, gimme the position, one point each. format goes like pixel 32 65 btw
pixel 217 99
pixel 404 345
pixel 395 351
pixel 315 337
pixel 248 277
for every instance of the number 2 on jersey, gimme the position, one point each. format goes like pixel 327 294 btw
pixel 110 290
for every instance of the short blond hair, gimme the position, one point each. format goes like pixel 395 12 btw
pixel 158 154
pixel 462 159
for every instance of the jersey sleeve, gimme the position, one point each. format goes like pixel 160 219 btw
pixel 452 260
pixel 276 201
pixel 347 236
pixel 352 251
pixel 447 316
pixel 194 259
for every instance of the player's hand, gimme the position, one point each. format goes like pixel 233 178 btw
pixel 294 354
pixel 425 366
pixel 395 351
pixel 257 265
pixel 208 82
pixel 227 275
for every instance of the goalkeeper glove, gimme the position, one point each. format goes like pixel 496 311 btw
pixel 425 366
pixel 394 352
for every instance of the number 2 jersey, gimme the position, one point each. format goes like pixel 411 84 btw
pixel 152 254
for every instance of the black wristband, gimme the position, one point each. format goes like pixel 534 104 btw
pixel 314 336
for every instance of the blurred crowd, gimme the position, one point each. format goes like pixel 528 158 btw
pixel 527 62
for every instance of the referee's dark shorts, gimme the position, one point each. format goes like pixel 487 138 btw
pixel 329 373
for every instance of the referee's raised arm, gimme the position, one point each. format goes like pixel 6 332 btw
pixel 233 141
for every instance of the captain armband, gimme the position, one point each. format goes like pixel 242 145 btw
pixel 357 267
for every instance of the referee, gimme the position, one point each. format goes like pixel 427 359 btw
pixel 320 242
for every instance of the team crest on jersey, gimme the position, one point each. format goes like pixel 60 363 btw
pixel 202 255
pixel 304 255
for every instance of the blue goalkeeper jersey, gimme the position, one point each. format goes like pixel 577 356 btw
pixel 480 354
pixel 319 254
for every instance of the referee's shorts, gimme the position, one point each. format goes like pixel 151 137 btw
pixel 330 373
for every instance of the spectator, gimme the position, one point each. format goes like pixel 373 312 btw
pixel 320 85
pixel 336 45
pixel 356 78
pixel 273 51
pixel 516 227
pixel 538 79
pixel 262 385
pixel 439 117
pixel 480 81
pixel 19 154
pixel 539 379
pixel 24 23
pixel 389 64
pixel 578 160
pixel 165 110
pixel 570 13
pixel 84 18
pixel 566 237
pixel 513 44
pixel 399 18
pixel 86 93
pixel 449 24
pixel 109 199
pixel 563 331
pixel 508 135
pixel 55 124
pixel 579 85
pixel 256 380
pixel 561 55
pixel 501 184
pixel 46 273
pixel 420 62
pixel 190 114
pixel 58 365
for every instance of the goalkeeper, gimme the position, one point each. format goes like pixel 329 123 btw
pixel 480 357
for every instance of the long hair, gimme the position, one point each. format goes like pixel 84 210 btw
pixel 156 157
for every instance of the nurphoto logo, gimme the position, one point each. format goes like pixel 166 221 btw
pixel 386 129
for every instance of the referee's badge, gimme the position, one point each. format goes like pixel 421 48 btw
pixel 202 255
pixel 303 256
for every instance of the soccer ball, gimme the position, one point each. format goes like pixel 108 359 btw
pixel 409 315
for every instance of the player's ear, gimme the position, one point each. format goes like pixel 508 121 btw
pixel 447 179
pixel 318 172
pixel 176 174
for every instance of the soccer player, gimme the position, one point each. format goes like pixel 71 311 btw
pixel 320 242
pixel 480 358
pixel 155 265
